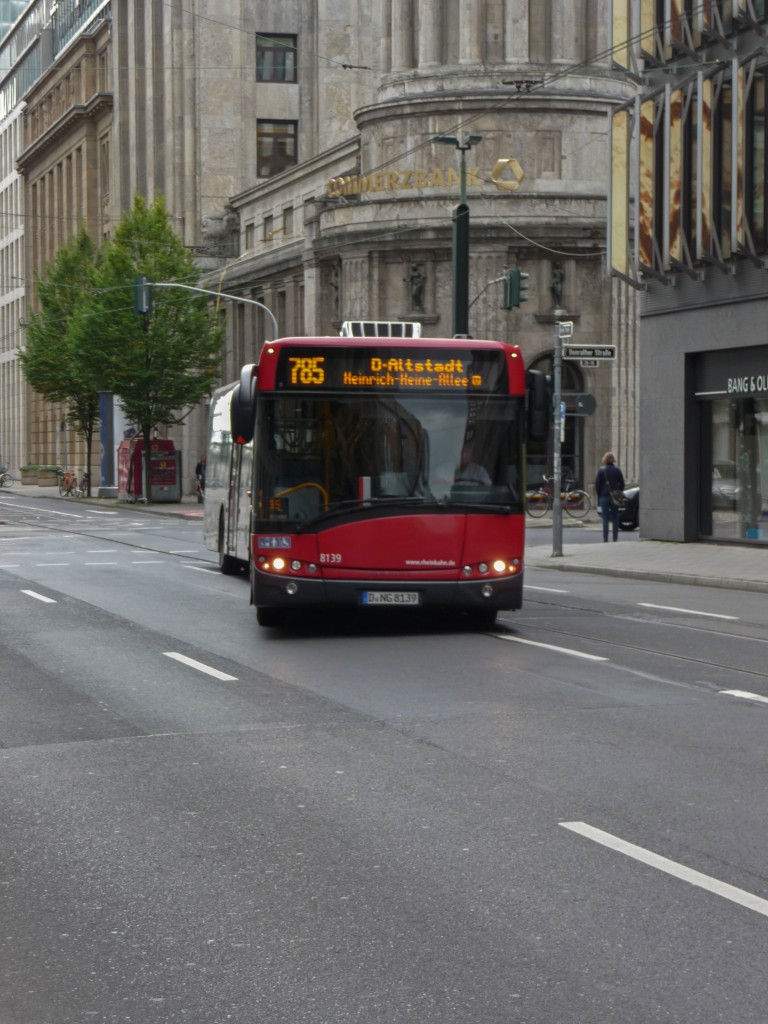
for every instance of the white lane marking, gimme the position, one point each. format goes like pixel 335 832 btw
pixel 687 611
pixel 10 565
pixel 48 565
pixel 200 568
pixel 549 590
pixel 670 867
pixel 43 511
pixel 551 647
pixel 148 561
pixel 101 563
pixel 184 551
pixel 102 512
pixel 100 551
pixel 39 597
pixel 745 695
pixel 198 665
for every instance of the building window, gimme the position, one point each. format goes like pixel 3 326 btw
pixel 269 228
pixel 275 58
pixel 275 146
pixel 288 221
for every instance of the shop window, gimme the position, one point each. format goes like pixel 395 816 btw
pixel 738 498
pixel 276 146
pixel 275 58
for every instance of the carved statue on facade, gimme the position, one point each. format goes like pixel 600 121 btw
pixel 417 278
pixel 558 284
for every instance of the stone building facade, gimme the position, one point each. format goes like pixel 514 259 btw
pixel 362 229
pixel 293 144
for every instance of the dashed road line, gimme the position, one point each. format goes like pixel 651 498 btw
pixel 39 597
pixel 550 647
pixel 669 867
pixel 200 666
pixel 687 611
pixel 745 695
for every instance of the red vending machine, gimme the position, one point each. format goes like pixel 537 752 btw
pixel 164 472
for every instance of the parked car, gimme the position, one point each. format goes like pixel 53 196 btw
pixel 725 484
pixel 629 512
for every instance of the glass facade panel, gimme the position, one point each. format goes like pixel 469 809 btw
pixel 739 470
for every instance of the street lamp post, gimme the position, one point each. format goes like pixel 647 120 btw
pixel 460 257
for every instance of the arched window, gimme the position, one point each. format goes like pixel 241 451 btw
pixel 539 461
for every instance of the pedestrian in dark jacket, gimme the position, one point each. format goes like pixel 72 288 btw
pixel 608 483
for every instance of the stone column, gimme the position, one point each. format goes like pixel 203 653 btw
pixel 402 35
pixel 568 28
pixel 516 30
pixel 471 40
pixel 429 33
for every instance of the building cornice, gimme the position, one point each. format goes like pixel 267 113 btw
pixel 64 127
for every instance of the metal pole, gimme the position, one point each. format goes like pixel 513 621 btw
pixel 221 295
pixel 557 399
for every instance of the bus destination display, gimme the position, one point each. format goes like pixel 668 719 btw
pixel 355 369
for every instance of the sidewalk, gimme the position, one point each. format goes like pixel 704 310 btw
pixel 184 509
pixel 712 565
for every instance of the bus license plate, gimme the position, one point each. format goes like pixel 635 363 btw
pixel 391 597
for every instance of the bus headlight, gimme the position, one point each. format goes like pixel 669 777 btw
pixel 278 564
pixel 499 566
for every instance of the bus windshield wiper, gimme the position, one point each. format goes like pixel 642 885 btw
pixel 342 508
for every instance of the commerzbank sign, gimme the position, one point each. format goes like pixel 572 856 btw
pixel 506 176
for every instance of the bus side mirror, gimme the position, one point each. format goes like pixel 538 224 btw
pixel 243 408
pixel 539 408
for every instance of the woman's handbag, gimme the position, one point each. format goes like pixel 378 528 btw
pixel 617 498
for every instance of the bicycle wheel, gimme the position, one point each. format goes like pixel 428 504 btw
pixel 577 504
pixel 537 504
pixel 62 487
pixel 6 480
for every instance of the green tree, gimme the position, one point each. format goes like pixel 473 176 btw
pixel 49 363
pixel 160 363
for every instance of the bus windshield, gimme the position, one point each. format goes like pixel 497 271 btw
pixel 315 454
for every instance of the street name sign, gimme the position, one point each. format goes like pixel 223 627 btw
pixel 589 351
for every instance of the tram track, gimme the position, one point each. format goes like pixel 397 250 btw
pixel 646 649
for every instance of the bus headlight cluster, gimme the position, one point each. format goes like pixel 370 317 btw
pixel 498 567
pixel 279 565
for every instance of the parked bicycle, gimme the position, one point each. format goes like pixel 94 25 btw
pixel 6 480
pixel 538 500
pixel 81 491
pixel 67 483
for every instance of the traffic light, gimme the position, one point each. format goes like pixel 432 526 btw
pixel 142 295
pixel 514 286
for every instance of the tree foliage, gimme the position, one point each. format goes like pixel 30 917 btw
pixel 86 336
pixel 158 363
pixel 49 363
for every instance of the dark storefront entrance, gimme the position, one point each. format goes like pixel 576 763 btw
pixel 539 460
pixel 731 389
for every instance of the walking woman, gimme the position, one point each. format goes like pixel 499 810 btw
pixel 609 479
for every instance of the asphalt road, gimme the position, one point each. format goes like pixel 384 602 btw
pixel 562 819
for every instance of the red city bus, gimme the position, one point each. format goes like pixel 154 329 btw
pixel 381 473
